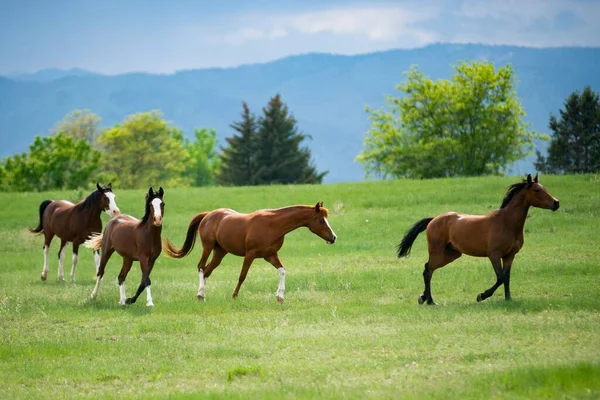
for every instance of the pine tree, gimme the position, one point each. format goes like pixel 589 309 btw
pixel 238 157
pixel 279 155
pixel 575 143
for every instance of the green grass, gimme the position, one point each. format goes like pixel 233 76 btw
pixel 351 326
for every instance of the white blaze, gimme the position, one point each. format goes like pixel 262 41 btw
pixel 329 226
pixel 156 205
pixel 112 205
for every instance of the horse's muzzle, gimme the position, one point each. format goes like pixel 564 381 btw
pixel 331 240
pixel 157 221
pixel 556 205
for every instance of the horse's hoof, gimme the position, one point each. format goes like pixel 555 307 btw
pixel 279 299
pixel 432 303
pixel 150 305
pixel 129 301
pixel 200 298
pixel 480 297
pixel 43 277
pixel 421 299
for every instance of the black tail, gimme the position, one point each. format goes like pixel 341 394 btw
pixel 190 239
pixel 411 235
pixel 40 226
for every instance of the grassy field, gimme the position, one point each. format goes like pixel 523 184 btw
pixel 351 326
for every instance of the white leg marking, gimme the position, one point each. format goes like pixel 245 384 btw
pixel 45 268
pixel 149 302
pixel 201 284
pixel 122 296
pixel 97 260
pixel 95 291
pixel 281 288
pixel 61 260
pixel 75 258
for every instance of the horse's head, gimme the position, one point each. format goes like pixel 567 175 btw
pixel 319 225
pixel 107 200
pixel 537 195
pixel 155 206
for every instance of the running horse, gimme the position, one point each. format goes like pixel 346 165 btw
pixel 74 223
pixel 256 235
pixel 497 235
pixel 134 240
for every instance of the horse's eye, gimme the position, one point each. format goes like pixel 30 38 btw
pixel 323 221
pixel 537 190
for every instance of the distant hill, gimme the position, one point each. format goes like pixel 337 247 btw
pixel 327 94
pixel 49 74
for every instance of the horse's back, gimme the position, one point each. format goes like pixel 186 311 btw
pixel 119 234
pixel 465 232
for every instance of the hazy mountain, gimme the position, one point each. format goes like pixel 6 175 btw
pixel 327 94
pixel 49 74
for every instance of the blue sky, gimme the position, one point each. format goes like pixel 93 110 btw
pixel 113 36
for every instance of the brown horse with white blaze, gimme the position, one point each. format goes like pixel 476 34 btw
pixel 134 240
pixel 74 223
pixel 497 235
pixel 256 235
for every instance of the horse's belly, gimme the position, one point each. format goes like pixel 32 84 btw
pixel 469 237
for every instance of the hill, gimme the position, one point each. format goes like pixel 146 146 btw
pixel 327 94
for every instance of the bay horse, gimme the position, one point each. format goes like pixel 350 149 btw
pixel 259 234
pixel 134 240
pixel 497 235
pixel 74 223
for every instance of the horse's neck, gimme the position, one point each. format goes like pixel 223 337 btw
pixel 149 230
pixel 291 218
pixel 92 212
pixel 516 211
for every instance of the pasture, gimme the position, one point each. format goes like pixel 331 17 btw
pixel 350 326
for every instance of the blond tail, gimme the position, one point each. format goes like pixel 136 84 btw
pixel 94 242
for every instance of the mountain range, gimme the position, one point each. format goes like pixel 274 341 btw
pixel 327 94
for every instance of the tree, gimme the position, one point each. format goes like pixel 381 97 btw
pixel 279 155
pixel 469 125
pixel 204 161
pixel 238 158
pixel 80 124
pixel 144 150
pixel 575 139
pixel 53 162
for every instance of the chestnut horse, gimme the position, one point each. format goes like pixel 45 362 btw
pixel 256 235
pixel 497 235
pixel 74 223
pixel 134 240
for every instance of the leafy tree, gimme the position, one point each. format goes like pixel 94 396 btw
pixel 204 161
pixel 279 155
pixel 238 158
pixel 575 139
pixel 144 150
pixel 469 125
pixel 53 162
pixel 80 124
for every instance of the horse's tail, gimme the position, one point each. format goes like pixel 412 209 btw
pixel 190 239
pixel 40 226
pixel 94 242
pixel 411 235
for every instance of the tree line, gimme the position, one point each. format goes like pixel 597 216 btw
pixel 144 149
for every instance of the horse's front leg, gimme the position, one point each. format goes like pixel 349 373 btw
pixel 75 259
pixel 61 259
pixel 496 263
pixel 507 264
pixel 276 262
pixel 245 267
pixel 127 262
pixel 145 265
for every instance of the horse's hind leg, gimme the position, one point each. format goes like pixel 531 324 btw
pixel 499 279
pixel 437 260
pixel 48 236
pixel 75 259
pixel 127 262
pixel 106 253
pixel 245 267
pixel 201 267
pixel 61 259
pixel 276 262
pixel 217 257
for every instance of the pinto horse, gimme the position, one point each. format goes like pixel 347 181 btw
pixel 134 240
pixel 74 223
pixel 497 235
pixel 256 235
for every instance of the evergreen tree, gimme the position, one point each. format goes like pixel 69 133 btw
pixel 279 155
pixel 575 143
pixel 238 165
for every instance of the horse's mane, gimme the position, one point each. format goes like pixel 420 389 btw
pixel 147 211
pixel 86 205
pixel 512 191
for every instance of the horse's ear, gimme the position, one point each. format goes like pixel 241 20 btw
pixel 161 192
pixel 98 187
pixel 109 186
pixel 536 178
pixel 318 207
pixel 150 192
pixel 321 204
pixel 529 181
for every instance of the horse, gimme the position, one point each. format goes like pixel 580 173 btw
pixel 73 223
pixel 497 235
pixel 259 234
pixel 134 240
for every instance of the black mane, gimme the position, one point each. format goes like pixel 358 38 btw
pixel 147 211
pixel 512 191
pixel 93 198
